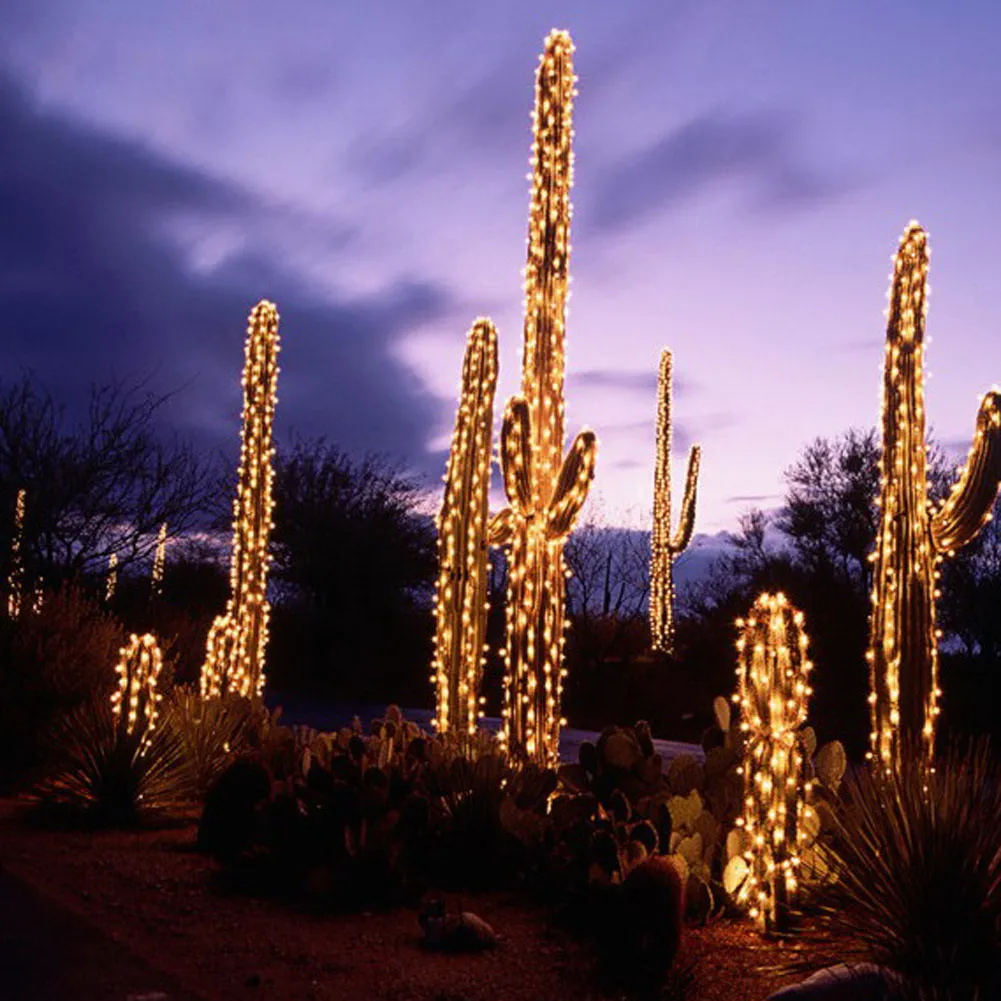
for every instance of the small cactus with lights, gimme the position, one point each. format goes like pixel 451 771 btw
pixel 773 694
pixel 134 701
pixel 238 640
pixel 15 578
pixel 461 595
pixel 665 547
pixel 545 491
pixel 159 562
pixel 913 537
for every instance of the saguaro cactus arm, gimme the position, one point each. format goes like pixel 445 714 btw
pixel 686 523
pixel 516 457
pixel 572 485
pixel 968 506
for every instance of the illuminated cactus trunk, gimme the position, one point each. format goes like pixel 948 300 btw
pixel 664 547
pixel 237 641
pixel 159 561
pixel 134 702
pixel 111 583
pixel 544 491
pixel 773 693
pixel 461 594
pixel 912 538
pixel 15 579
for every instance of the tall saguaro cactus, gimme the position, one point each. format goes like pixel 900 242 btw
pixel 15 579
pixel 773 692
pixel 913 538
pixel 545 491
pixel 461 595
pixel 665 547
pixel 237 641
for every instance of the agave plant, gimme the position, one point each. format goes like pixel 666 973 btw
pixel 112 777
pixel 915 873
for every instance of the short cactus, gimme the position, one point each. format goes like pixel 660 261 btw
pixel 773 693
pixel 545 491
pixel 237 642
pixel 134 702
pixel 461 595
pixel 665 547
pixel 913 538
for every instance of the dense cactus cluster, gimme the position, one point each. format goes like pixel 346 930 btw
pixel 913 538
pixel 237 641
pixel 666 547
pixel 545 491
pixel 461 592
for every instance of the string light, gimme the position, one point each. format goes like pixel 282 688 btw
pixel 159 560
pixel 773 692
pixel 237 641
pixel 545 491
pixel 15 579
pixel 112 581
pixel 665 548
pixel 134 702
pixel 461 592
pixel 913 538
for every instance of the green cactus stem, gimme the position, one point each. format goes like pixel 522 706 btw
pixel 912 538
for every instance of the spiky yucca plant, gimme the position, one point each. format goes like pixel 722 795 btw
pixel 110 776
pixel 916 876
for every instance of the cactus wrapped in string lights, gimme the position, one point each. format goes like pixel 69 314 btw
pixel 773 692
pixel 111 584
pixel 237 641
pixel 461 595
pixel 665 547
pixel 134 702
pixel 15 579
pixel 159 561
pixel 545 491
pixel 913 538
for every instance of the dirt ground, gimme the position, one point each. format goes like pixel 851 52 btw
pixel 180 938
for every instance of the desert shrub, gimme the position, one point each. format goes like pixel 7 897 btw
pixel 107 776
pixel 51 662
pixel 211 732
pixel 915 876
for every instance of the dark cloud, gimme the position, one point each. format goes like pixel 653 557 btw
pixel 639 382
pixel 757 148
pixel 91 282
pixel 750 498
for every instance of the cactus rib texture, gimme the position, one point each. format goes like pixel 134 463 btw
pixel 545 492
pixel 463 538
pixel 665 547
pixel 913 539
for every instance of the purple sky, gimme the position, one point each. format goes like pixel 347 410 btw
pixel 744 170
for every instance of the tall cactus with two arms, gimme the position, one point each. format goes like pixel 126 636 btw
pixel 461 595
pixel 237 641
pixel 913 538
pixel 665 547
pixel 545 492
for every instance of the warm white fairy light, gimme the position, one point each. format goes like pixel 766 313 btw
pixel 913 538
pixel 544 490
pixel 234 657
pixel 773 693
pixel 159 560
pixel 461 592
pixel 134 702
pixel 112 582
pixel 665 548
pixel 15 579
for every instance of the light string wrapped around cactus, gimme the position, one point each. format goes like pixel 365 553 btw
pixel 912 538
pixel 665 547
pixel 773 693
pixel 544 491
pixel 134 702
pixel 461 591
pixel 15 578
pixel 237 641
pixel 111 584
pixel 159 561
